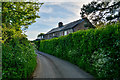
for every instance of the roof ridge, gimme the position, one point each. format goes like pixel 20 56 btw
pixel 65 26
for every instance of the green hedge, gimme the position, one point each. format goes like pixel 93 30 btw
pixel 97 51
pixel 18 59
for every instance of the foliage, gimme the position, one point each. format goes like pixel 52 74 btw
pixel 20 13
pixel 0 52
pixel 94 50
pixel 18 59
pixel 18 55
pixel 101 11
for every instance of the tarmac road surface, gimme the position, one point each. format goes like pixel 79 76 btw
pixel 49 66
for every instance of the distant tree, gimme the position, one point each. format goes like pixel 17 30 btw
pixel 40 34
pixel 101 11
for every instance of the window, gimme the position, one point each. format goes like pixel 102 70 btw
pixel 65 33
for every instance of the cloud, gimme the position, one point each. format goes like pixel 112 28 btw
pixel 32 35
pixel 59 0
pixel 48 24
pixel 53 13
pixel 74 7
pixel 45 9
pixel 53 21
pixel 53 3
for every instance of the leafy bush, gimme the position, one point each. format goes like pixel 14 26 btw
pixel 94 50
pixel 18 58
pixel 18 55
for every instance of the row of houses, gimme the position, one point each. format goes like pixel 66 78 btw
pixel 66 29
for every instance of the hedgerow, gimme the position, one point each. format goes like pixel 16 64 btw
pixel 18 55
pixel 18 59
pixel 97 51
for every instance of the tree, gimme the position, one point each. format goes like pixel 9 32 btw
pixel 17 54
pixel 40 34
pixel 16 16
pixel 20 13
pixel 101 11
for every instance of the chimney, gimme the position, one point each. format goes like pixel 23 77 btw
pixel 60 24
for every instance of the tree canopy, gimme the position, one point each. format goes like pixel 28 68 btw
pixel 16 16
pixel 101 11
pixel 20 13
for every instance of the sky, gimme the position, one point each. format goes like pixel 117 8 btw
pixel 51 13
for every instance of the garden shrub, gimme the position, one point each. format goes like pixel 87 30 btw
pixel 97 51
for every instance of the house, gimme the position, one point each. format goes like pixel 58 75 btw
pixel 62 30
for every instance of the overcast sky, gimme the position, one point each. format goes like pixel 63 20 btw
pixel 51 13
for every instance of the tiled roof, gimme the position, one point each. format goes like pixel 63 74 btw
pixel 67 26
pixel 72 24
pixel 55 30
